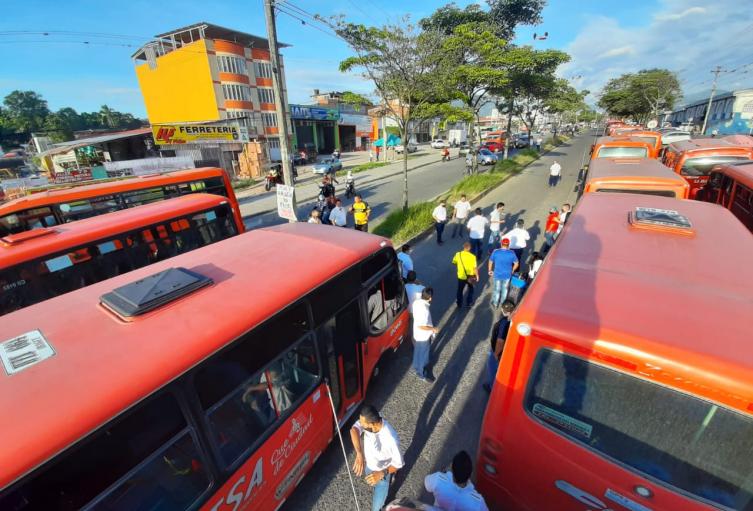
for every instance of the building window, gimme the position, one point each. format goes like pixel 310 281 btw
pixel 228 64
pixel 241 117
pixel 273 143
pixel 269 120
pixel 263 69
pixel 236 92
pixel 266 96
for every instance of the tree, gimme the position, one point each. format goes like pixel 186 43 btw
pixel 641 95
pixel 26 110
pixel 503 16
pixel 405 67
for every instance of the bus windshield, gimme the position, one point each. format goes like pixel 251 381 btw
pixel 690 444
pixel 645 138
pixel 622 152
pixel 661 193
pixel 29 282
pixel 702 165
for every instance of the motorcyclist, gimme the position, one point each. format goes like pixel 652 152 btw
pixel 350 184
pixel 446 154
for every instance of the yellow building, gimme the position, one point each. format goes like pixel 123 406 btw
pixel 205 73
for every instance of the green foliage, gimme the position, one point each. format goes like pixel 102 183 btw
pixel 25 110
pixel 242 184
pixel 366 166
pixel 404 224
pixel 641 95
pixel 355 100
pixel 503 16
pixel 477 183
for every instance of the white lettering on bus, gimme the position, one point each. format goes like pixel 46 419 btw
pixel 234 497
pixel 297 430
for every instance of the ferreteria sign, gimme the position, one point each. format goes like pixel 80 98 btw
pixel 199 133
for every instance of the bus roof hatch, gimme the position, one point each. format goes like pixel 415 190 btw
pixel 661 220
pixel 153 291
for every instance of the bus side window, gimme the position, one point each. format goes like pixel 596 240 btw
pixel 243 391
pixel 215 186
pixel 385 300
pixel 145 459
pixel 742 205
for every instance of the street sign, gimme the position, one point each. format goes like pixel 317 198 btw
pixel 285 202
pixel 213 133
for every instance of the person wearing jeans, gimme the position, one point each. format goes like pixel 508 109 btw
pixel 495 225
pixel 440 219
pixel 465 262
pixel 502 264
pixel 498 336
pixel 423 332
pixel 377 448
pixel 476 228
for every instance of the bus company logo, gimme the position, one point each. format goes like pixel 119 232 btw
pixel 293 476
pixel 396 327
pixel 243 491
pixel 166 135
pixel 298 428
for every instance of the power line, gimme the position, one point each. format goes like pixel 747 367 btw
pixel 305 22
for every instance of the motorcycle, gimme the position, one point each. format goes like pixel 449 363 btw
pixel 336 154
pixel 446 156
pixel 350 188
pixel 325 202
pixel 273 177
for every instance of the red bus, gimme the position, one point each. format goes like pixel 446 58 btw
pixel 693 159
pixel 61 205
pixel 197 382
pixel 652 137
pixel 626 175
pixel 621 147
pixel 40 264
pixel 731 186
pixel 626 380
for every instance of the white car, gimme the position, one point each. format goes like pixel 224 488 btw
pixel 669 137
pixel 412 148
pixel 439 143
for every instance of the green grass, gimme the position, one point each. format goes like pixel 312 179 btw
pixel 401 227
pixel 241 184
pixel 365 166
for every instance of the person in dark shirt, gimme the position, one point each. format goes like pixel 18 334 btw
pixel 497 342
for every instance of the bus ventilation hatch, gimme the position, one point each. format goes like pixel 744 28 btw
pixel 153 291
pixel 661 220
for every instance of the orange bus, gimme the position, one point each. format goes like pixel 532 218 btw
pixel 626 380
pixel 60 205
pixel 43 263
pixel 652 137
pixel 620 147
pixel 731 186
pixel 199 382
pixel 693 159
pixel 497 137
pixel 627 175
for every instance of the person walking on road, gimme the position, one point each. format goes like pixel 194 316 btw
pixel 378 454
pixel 459 216
pixel 502 264
pixel 440 219
pixel 453 490
pixel 338 216
pixel 499 334
pixel 564 213
pixel 476 229
pixel 495 224
pixel 554 173
pixel 423 332
pixel 405 261
pixel 361 212
pixel 465 262
pixel 371 155
pixel 519 238
pixel 413 288
pixel 551 228
pixel 538 141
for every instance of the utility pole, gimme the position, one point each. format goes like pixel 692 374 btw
pixel 716 72
pixel 510 107
pixel 280 106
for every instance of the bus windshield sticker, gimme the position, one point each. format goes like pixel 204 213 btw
pixel 24 351
pixel 624 501
pixel 106 247
pixel 562 421
pixel 211 215
pixel 58 263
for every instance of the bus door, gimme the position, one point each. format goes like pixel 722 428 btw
pixel 341 337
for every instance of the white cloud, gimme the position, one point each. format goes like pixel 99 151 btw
pixel 676 38
pixel 679 15
pixel 302 80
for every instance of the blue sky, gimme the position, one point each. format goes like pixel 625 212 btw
pixel 605 39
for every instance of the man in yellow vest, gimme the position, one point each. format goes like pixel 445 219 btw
pixel 465 260
pixel 361 212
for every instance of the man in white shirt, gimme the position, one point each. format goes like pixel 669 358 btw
pixel 423 332
pixel 412 288
pixel 554 173
pixel 495 225
pixel 519 238
pixel 476 228
pixel 405 260
pixel 377 449
pixel 338 216
pixel 440 219
pixel 564 212
pixel 453 490
pixel 460 215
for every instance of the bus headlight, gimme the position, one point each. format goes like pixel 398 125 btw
pixel 524 329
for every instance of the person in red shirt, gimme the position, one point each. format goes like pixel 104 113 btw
pixel 552 225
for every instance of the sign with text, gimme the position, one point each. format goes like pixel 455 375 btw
pixel 199 133
pixel 313 113
pixel 285 202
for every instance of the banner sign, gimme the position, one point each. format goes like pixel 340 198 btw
pixel 199 133
pixel 285 202
pixel 361 122
pixel 316 114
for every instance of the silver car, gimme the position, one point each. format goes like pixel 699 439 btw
pixel 412 148
pixel 327 165
pixel 486 157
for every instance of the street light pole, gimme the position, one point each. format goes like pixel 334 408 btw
pixel 711 98
pixel 280 106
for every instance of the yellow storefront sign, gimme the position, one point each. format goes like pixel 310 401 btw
pixel 198 133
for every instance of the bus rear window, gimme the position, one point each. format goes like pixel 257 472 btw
pixel 696 446
pixel 622 152
pixel 660 193
pixel 702 165
pixel 650 140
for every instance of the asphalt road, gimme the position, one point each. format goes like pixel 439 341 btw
pixel 434 421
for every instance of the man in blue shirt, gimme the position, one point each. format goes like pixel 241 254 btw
pixel 502 264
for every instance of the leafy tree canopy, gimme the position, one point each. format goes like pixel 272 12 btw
pixel 641 95
pixel 502 15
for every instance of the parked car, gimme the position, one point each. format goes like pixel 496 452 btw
pixel 412 148
pixel 439 143
pixel 326 165
pixel 486 157
pixel 494 147
pixel 668 137
pixel 521 140
pixel 464 148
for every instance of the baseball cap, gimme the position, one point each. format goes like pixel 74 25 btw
pixel 505 241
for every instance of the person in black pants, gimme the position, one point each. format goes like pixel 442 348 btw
pixel 440 219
